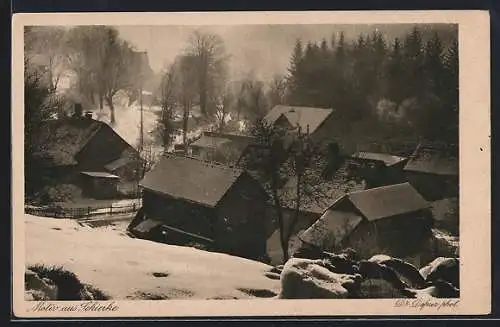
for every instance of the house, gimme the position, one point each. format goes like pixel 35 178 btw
pixel 318 193
pixel 67 147
pixel 378 169
pixel 192 201
pixel 392 220
pixel 226 148
pixel 313 121
pixel 433 170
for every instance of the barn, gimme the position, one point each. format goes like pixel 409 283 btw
pixel 99 185
pixel 392 220
pixel 226 148
pixel 310 119
pixel 200 200
pixel 69 146
pixel 433 171
pixel 378 169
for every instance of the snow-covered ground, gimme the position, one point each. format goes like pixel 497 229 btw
pixel 128 120
pixel 125 268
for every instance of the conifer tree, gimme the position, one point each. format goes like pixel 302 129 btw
pixel 451 91
pixel 333 41
pixel 394 74
pixel 295 73
pixel 433 65
pixel 413 57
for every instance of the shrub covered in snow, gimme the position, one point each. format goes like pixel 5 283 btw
pixel 57 193
pixel 56 283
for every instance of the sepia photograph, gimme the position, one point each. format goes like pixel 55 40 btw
pixel 241 162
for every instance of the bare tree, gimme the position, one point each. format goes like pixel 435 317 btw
pixel 267 161
pixel 187 92
pixel 86 60
pixel 277 90
pixel 251 98
pixel 103 62
pixel 287 156
pixel 169 90
pixel 224 107
pixel 145 160
pixel 210 60
pixel 47 44
pixel 115 74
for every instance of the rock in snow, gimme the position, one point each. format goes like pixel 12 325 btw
pixel 442 269
pixel 382 276
pixel 306 278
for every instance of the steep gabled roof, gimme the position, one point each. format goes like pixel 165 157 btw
pixel 127 156
pixel 100 174
pixel 305 117
pixel 61 140
pixel 377 203
pixel 332 227
pixel 191 179
pixel 387 201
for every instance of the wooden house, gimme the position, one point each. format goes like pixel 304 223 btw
pixel 378 169
pixel 198 200
pixel 224 148
pixel 317 195
pixel 69 146
pixel 313 121
pixel 433 170
pixel 393 220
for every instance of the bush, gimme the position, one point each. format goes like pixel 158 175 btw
pixel 69 287
pixel 68 284
pixel 57 193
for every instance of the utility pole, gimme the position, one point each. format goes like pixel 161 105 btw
pixel 140 165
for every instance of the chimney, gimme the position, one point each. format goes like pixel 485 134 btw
pixel 333 157
pixel 78 110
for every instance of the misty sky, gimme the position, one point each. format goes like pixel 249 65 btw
pixel 263 49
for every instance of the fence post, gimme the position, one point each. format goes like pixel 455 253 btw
pixel 134 206
pixel 111 209
pixel 88 211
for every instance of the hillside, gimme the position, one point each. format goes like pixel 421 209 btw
pixel 127 268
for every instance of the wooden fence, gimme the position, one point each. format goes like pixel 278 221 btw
pixel 82 212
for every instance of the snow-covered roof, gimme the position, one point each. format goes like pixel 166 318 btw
pixel 387 159
pixel 190 179
pixel 100 174
pixel 308 118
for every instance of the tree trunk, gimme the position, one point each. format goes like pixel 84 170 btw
pixel 185 126
pixel 109 100
pixel 203 100
pixel 92 97
pixel 101 101
pixel 297 208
